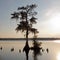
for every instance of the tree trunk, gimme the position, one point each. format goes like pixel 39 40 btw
pixel 27 30
pixel 26 47
pixel 27 36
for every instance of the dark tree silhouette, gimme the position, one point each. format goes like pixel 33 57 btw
pixel 26 17
pixel 36 47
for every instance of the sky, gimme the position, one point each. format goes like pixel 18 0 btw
pixel 48 22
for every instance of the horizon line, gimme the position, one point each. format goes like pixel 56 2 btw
pixel 30 38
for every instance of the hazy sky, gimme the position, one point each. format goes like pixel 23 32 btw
pixel 48 16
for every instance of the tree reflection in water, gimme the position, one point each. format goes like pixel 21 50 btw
pixel 26 50
pixel 37 49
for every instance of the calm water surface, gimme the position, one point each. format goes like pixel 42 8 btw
pixel 6 54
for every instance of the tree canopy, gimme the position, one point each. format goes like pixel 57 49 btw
pixel 26 16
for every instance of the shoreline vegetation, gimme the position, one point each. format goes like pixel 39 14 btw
pixel 42 39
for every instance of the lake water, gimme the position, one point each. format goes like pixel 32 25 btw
pixel 7 54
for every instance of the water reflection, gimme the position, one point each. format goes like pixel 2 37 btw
pixel 58 56
pixel 36 48
pixel 26 50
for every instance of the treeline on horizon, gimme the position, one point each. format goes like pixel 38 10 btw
pixel 30 38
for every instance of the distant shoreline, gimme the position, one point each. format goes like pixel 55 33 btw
pixel 29 39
